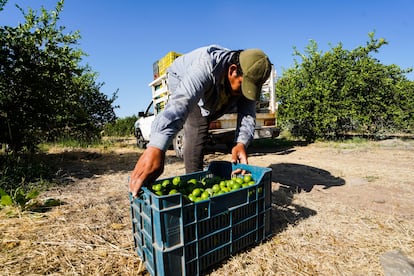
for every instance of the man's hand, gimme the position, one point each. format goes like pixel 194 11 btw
pixel 239 155
pixel 148 168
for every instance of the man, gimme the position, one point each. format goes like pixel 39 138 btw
pixel 204 84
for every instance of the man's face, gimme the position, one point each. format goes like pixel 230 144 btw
pixel 235 81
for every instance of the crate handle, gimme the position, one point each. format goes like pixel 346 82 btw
pixel 141 194
pixel 140 198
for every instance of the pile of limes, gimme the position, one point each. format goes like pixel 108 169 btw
pixel 197 190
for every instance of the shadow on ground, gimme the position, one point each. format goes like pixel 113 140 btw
pixel 260 147
pixel 78 164
pixel 291 179
pixel 285 212
pixel 300 177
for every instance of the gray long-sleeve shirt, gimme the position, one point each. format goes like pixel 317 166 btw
pixel 198 78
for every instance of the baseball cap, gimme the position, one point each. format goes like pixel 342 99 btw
pixel 256 69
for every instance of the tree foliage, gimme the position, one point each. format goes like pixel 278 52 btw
pixel 45 92
pixel 330 94
pixel 2 4
pixel 121 127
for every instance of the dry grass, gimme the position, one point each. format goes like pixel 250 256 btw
pixel 315 233
pixel 336 240
pixel 88 235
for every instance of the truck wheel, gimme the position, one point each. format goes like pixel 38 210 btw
pixel 140 140
pixel 178 144
pixel 229 146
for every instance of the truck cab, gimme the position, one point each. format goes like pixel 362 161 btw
pixel 142 126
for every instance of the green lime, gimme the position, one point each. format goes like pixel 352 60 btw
pixel 225 189
pixel 209 191
pixel 236 186
pixel 191 197
pixel 192 181
pixel 205 195
pixel 247 178
pixel 166 183
pixel 229 183
pixel 160 193
pixel 173 191
pixel 251 183
pixel 176 181
pixel 238 180
pixel 196 192
pixel 215 188
pixel 157 187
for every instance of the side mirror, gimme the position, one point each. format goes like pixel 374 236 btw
pixel 141 114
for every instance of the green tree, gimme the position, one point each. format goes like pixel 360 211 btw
pixel 329 94
pixel 121 127
pixel 2 4
pixel 45 92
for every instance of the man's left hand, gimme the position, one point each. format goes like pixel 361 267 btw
pixel 239 155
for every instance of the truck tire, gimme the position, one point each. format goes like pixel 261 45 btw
pixel 141 143
pixel 178 144
pixel 230 145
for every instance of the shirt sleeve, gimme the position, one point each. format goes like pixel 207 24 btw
pixel 186 90
pixel 246 121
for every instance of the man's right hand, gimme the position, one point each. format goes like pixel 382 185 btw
pixel 148 168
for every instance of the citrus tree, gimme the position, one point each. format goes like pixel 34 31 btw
pixel 329 94
pixel 121 127
pixel 2 3
pixel 45 92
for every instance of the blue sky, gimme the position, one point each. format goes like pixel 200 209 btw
pixel 124 38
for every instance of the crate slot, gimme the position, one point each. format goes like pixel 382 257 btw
pixel 209 226
pixel 215 257
pixel 244 227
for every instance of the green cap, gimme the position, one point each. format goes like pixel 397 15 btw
pixel 256 69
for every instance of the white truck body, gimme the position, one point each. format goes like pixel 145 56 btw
pixel 222 130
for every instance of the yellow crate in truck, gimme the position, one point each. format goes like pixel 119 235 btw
pixel 166 61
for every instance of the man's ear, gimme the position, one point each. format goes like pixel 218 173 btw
pixel 232 71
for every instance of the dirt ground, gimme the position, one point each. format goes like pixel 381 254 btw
pixel 336 209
